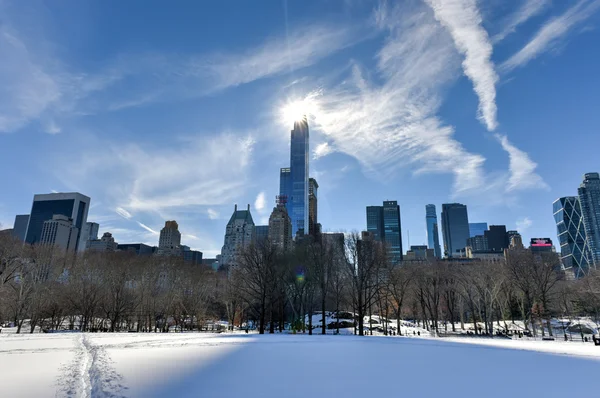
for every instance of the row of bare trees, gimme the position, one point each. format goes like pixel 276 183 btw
pixel 271 290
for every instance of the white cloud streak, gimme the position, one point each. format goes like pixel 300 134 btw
pixel 147 228
pixel 463 21
pixel 551 33
pixel 521 167
pixel 528 10
pixel 123 213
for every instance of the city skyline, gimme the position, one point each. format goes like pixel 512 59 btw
pixel 156 125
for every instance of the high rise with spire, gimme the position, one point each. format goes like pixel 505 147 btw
pixel 293 184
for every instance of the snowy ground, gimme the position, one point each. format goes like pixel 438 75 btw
pixel 239 365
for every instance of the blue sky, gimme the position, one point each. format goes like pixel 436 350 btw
pixel 162 110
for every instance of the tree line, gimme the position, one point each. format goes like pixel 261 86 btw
pixel 270 290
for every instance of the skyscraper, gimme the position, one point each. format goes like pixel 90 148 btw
pixel 280 228
pixel 314 228
pixel 433 235
pixel 285 184
pixel 497 239
pixel 239 233
pixel 89 233
pixel 477 228
pixel 105 244
pixel 72 205
pixel 261 233
pixel 575 252
pixel 20 226
pixel 59 232
pixel 392 231
pixel 515 240
pixel 169 242
pixel 375 222
pixel 589 197
pixel 455 228
pixel 298 202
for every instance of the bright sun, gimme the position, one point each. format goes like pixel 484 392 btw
pixel 295 110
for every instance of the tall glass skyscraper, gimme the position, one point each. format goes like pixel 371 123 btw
pixel 392 229
pixel 433 235
pixel 575 252
pixel 375 222
pixel 477 228
pixel 455 228
pixel 589 197
pixel 293 181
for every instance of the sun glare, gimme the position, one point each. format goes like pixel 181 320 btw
pixel 294 111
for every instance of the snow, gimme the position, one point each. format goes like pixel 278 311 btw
pixel 235 365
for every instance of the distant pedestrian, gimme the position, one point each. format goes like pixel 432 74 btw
pixel 419 332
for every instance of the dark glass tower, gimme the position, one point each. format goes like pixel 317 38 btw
pixel 497 239
pixel 477 228
pixel 433 235
pixel 575 253
pixel 375 222
pixel 455 228
pixel 392 229
pixel 589 197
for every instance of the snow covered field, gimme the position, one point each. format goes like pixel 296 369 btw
pixel 239 365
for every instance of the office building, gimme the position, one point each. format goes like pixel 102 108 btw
pixel 392 231
pixel 169 242
pixel 419 253
pixel 477 228
pixel 515 240
pixel 541 245
pixel 478 243
pixel 383 225
pixel 589 198
pixel 455 229
pixel 72 205
pixel 314 228
pixel 88 234
pixel 239 233
pixel 280 228
pixel 105 244
pixel 139 249
pixel 575 253
pixel 497 239
pixel 334 241
pixel 433 235
pixel 59 232
pixel 20 226
pixel 261 233
pixel 375 222
pixel 293 181
pixel 191 256
pixel 211 262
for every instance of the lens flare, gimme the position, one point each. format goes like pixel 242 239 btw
pixel 294 111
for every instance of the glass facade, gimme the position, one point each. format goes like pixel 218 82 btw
pixel 496 237
pixel 433 235
pixel 43 211
pixel 477 228
pixel 589 198
pixel 297 204
pixel 375 222
pixel 575 253
pixel 285 182
pixel 392 232
pixel 455 228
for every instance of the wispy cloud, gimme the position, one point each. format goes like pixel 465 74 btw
pixel 551 33
pixel 521 167
pixel 391 121
pixel 524 224
pixel 529 9
pixel 261 202
pixel 463 21
pixel 321 150
pixel 212 214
